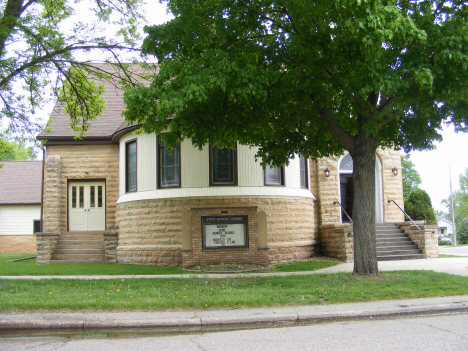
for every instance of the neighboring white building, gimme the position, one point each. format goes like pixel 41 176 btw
pixel 445 226
pixel 20 205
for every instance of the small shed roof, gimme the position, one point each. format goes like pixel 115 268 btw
pixel 20 182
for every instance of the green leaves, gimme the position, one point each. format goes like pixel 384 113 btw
pixel 40 42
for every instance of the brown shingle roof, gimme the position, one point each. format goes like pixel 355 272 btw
pixel 20 182
pixel 105 125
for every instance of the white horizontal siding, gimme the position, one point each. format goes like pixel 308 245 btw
pixel 18 220
pixel 219 191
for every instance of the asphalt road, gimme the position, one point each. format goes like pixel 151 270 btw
pixel 441 332
pixel 454 250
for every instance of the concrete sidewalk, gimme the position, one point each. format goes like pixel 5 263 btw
pixel 80 321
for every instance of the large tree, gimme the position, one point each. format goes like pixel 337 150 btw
pixel 315 77
pixel 45 52
pixel 410 176
pixel 15 150
pixel 460 201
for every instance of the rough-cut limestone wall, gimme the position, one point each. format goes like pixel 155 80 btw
pixel 337 241
pixel 45 245
pixel 77 162
pixel 392 187
pixel 426 238
pixel 328 190
pixel 52 190
pixel 314 188
pixel 150 232
pixel 17 244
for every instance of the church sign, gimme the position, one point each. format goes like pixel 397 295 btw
pixel 224 232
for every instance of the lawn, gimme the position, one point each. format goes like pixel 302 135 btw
pixel 199 294
pixel 29 267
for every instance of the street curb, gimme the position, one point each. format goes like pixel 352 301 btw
pixel 240 320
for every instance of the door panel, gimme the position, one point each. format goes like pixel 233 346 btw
pixel 86 208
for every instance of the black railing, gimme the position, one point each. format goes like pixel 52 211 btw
pixel 405 214
pixel 346 213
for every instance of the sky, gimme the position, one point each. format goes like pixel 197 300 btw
pixel 433 165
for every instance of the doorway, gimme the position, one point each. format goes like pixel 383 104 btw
pixel 87 206
pixel 345 167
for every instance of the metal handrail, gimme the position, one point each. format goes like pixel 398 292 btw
pixel 346 213
pixel 405 214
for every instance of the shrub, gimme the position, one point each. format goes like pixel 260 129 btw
pixel 419 206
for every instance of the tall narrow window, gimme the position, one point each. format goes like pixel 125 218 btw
pixel 274 175
pixel 304 173
pixel 131 166
pixel 223 166
pixel 169 166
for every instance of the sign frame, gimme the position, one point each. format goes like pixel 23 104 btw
pixel 224 220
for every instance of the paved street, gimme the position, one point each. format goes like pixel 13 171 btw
pixel 454 250
pixel 444 332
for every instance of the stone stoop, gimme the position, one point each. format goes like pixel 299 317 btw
pixel 393 244
pixel 79 247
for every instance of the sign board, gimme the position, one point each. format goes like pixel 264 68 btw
pixel 224 231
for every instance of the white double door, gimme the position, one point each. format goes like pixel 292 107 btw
pixel 87 206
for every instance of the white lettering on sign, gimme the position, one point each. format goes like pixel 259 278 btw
pixel 225 235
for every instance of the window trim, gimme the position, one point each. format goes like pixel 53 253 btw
pixel 283 180
pixel 306 172
pixel 158 170
pixel 234 171
pixel 127 143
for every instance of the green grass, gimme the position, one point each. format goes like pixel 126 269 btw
pixel 29 267
pixel 199 294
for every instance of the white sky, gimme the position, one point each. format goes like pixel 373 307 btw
pixel 433 166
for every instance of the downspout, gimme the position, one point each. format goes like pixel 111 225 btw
pixel 42 190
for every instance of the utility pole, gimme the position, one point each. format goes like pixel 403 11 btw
pixel 453 212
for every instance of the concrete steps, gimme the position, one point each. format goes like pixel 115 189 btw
pixel 394 244
pixel 79 247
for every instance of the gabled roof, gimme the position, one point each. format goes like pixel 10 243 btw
pixel 109 122
pixel 20 182
pixel 440 219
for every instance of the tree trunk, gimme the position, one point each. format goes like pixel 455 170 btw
pixel 365 249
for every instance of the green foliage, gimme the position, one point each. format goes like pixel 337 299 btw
pixel 15 150
pixel 410 176
pixel 44 43
pixel 314 77
pixel 462 231
pixel 460 201
pixel 418 205
pixel 444 243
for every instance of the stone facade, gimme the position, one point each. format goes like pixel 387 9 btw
pixel 329 188
pixel 150 232
pixel 337 240
pixel 17 244
pixel 426 238
pixel 45 245
pixel 78 162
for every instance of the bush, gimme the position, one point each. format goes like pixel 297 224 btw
pixel 419 206
pixel 442 242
